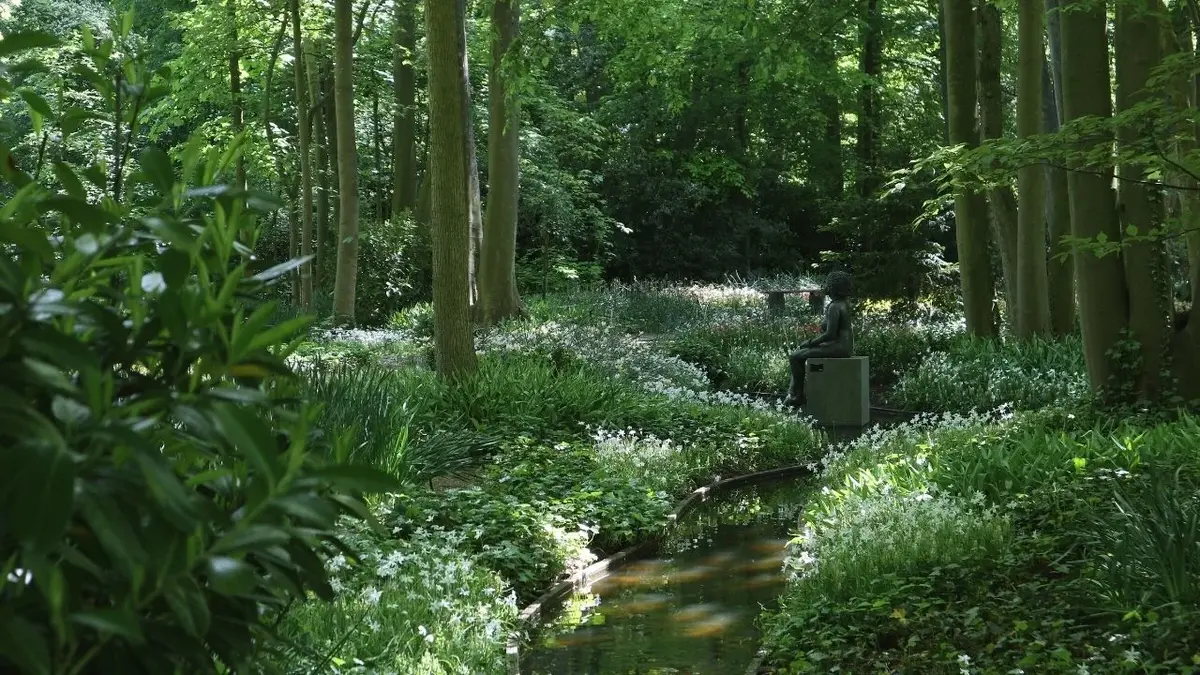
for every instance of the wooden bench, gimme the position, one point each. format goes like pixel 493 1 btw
pixel 775 298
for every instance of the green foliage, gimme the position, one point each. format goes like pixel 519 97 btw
pixel 158 501
pixel 974 374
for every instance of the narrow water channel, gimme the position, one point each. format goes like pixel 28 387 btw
pixel 689 609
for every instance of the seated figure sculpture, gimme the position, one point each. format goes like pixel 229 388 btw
pixel 835 341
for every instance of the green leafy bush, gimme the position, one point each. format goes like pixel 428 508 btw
pixel 156 503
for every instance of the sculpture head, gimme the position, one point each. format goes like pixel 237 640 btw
pixel 838 285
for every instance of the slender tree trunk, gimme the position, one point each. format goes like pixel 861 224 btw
pixel 1060 281
pixel 498 264
pixel 970 210
pixel 332 155
pixel 305 141
pixel 235 88
pixel 1061 273
pixel 404 136
pixel 941 19
pixel 472 176
pixel 269 133
pixel 868 118
pixel 1103 296
pixel 347 159
pixel 1033 302
pixel 321 161
pixel 991 110
pixel 454 350
pixel 1138 52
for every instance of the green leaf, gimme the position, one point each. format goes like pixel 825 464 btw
pixel 113 621
pixel 279 333
pixel 22 644
pixel 175 266
pixel 250 538
pixel 230 576
pixel 356 478
pixel 43 492
pixel 70 182
pixel 78 210
pixel 114 531
pixel 249 435
pixel 36 103
pixel 156 168
pixel 19 42
pixel 272 273
pixel 167 490
pixel 187 602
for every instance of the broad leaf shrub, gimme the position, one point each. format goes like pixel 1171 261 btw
pixel 157 506
pixel 1064 552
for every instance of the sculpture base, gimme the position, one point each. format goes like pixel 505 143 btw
pixel 838 391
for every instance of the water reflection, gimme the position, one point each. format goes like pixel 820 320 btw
pixel 691 609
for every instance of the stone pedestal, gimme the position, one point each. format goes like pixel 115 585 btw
pixel 838 391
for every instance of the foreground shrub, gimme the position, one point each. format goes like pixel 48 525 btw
pixel 157 504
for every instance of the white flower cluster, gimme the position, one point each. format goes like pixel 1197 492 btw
pixel 612 351
pixel 942 377
pixel 422 599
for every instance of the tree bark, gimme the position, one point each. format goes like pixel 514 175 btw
pixel 454 351
pixel 237 114
pixel 321 160
pixel 1061 270
pixel 498 264
pixel 404 137
pixel 991 110
pixel 970 210
pixel 332 155
pixel 867 143
pixel 1138 51
pixel 1103 295
pixel 1033 303
pixel 475 207
pixel 305 141
pixel 347 160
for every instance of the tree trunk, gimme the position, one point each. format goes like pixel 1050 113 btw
pixel 347 160
pixel 475 208
pixel 269 132
pixel 991 110
pixel 454 351
pixel 404 137
pixel 868 117
pixel 335 173
pixel 1103 296
pixel 305 140
pixel 1032 303
pixel 1138 52
pixel 1060 269
pixel 970 211
pixel 825 159
pixel 498 264
pixel 941 19
pixel 237 114
pixel 1061 272
pixel 320 260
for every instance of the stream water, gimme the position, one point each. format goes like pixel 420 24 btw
pixel 688 609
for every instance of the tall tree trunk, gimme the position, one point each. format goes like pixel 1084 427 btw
pixel 991 110
pixel 1103 296
pixel 1033 303
pixel 1061 272
pixel 404 137
pixel 970 210
pixel 332 155
pixel 868 117
pixel 475 208
pixel 305 140
pixel 498 264
pixel 1060 269
pixel 941 19
pixel 454 351
pixel 322 166
pixel 237 114
pixel 269 132
pixel 1138 52
pixel 347 160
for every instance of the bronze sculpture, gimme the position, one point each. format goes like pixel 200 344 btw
pixel 836 340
